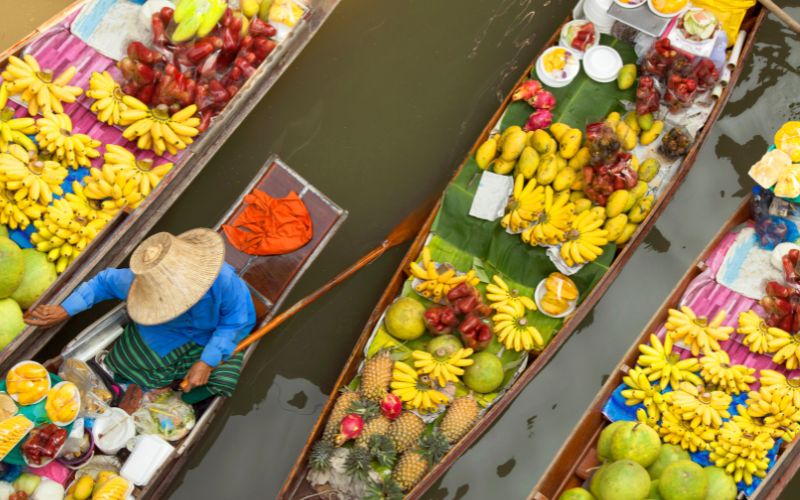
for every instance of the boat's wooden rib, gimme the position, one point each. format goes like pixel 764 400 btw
pixel 121 236
pixel 576 458
pixel 268 289
pixel 296 486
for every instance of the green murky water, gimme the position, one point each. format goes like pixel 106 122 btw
pixel 377 112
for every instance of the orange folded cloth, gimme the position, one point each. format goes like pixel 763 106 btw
pixel 270 226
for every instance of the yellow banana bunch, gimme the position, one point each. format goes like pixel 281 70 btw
pixel 699 334
pixel 124 180
pixel 749 423
pixel 776 381
pixel 717 370
pixel 551 224
pixel 641 392
pixel 499 293
pixel 660 363
pixel 39 89
pixel 513 330
pixel 14 130
pixel 107 94
pixel 699 406
pixel 442 367
pixel 643 417
pixel 740 454
pixel 31 178
pixel 776 410
pixel 17 214
pixel 527 200
pixel 156 129
pixel 72 150
pixel 437 282
pixel 86 207
pixel 62 234
pixel 675 430
pixel 585 240
pixel 757 334
pixel 415 390
pixel 786 348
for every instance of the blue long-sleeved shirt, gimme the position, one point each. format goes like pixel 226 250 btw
pixel 222 317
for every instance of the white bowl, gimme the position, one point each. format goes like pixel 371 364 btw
pixel 563 38
pixel 112 431
pixel 630 5
pixel 602 63
pixel 541 289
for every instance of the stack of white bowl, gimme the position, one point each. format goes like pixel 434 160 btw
pixel 597 12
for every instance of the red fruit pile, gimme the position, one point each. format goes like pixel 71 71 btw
pixel 208 71
pixel 43 443
pixel 680 92
pixel 782 304
pixel 609 167
pixel 464 310
pixel 541 100
pixel 584 37
pixel 647 98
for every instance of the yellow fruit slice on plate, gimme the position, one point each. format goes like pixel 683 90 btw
pixel 788 185
pixel 787 139
pixel 768 169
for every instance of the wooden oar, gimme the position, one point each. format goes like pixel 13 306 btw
pixel 403 232
pixel 781 14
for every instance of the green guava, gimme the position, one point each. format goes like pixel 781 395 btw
pixel 604 441
pixel 639 443
pixel 11 323
pixel 669 453
pixel 624 480
pixel 721 485
pixel 576 494
pixel 404 319
pixel 485 375
pixel 683 480
pixel 12 267
pixel 39 274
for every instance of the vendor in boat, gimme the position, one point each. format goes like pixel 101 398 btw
pixel 188 311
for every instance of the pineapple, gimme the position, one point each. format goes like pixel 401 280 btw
pixel 321 453
pixel 376 376
pixel 406 430
pixel 413 464
pixel 340 409
pixel 377 426
pixel 357 463
pixel 387 490
pixel 459 418
pixel 382 450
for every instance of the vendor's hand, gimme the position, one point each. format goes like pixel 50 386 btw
pixel 46 315
pixel 197 376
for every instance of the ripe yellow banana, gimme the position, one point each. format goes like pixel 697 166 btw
pixel 742 455
pixel 699 334
pixel 499 293
pixel 39 89
pixel 108 104
pixel 442 367
pixel 700 406
pixel 512 328
pixel 552 222
pixel 438 280
pixel 156 129
pixel 786 348
pixel 641 392
pixel 757 334
pixel 663 365
pixel 414 390
pixel 584 241
pixel 717 370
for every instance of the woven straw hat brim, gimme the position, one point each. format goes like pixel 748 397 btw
pixel 172 273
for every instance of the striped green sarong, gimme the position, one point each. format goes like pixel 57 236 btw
pixel 131 358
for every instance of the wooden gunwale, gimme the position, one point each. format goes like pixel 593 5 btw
pixel 121 236
pixel 295 485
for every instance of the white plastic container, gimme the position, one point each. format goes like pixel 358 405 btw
pixel 148 455
pixel 112 431
pixel 602 63
pixel 597 12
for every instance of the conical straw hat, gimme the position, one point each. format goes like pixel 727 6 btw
pixel 172 273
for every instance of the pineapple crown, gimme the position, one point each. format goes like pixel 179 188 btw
pixel 366 408
pixel 382 449
pixel 321 453
pixel 358 462
pixel 387 490
pixel 433 446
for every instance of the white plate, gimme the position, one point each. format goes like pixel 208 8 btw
pixel 571 69
pixel 47 461
pixel 539 294
pixel 78 395
pixel 602 63
pixel 661 14
pixel 562 41
pixel 15 397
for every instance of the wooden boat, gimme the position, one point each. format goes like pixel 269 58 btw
pixel 270 279
pixel 296 486
pixel 576 460
pixel 124 232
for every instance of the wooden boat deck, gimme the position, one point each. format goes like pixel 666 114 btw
pixel 296 486
pixel 122 234
pixel 270 279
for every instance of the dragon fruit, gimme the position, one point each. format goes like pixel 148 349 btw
pixel 543 99
pixel 541 118
pixel 391 406
pixel 526 90
pixel 350 428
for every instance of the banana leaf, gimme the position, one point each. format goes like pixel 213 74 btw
pixel 583 101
